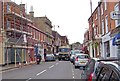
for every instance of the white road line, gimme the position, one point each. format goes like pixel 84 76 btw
pixel 51 66
pixel 73 77
pixel 41 72
pixel 73 74
pixel 28 79
pixel 9 70
pixel 57 63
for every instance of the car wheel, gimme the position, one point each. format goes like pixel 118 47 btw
pixel 75 67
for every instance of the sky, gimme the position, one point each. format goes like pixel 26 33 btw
pixel 70 15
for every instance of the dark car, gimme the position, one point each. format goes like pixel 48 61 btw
pixel 90 70
pixel 109 71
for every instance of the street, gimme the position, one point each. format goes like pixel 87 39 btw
pixel 47 70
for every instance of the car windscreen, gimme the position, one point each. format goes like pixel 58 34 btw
pixel 83 56
pixel 63 49
pixel 77 52
pixel 49 55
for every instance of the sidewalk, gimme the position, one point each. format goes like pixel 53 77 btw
pixel 12 66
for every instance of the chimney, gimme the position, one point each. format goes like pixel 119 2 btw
pixel 31 12
pixel 22 6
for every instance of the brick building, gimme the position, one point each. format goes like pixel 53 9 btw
pixel 1 34
pixel 45 25
pixel 64 41
pixel 100 26
pixel 56 41
pixel 16 33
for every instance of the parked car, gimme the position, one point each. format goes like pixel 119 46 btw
pixel 81 59
pixel 91 70
pixel 109 71
pixel 50 57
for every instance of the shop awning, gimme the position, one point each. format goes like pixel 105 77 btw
pixel 116 40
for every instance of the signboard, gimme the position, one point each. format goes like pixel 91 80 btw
pixel 115 15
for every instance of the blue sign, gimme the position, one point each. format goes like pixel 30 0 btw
pixel 116 40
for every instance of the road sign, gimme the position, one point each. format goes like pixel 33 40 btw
pixel 115 15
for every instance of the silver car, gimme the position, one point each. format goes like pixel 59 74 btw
pixel 50 57
pixel 81 60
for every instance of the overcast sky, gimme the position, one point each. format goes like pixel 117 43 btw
pixel 70 15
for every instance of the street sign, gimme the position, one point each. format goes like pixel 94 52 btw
pixel 115 15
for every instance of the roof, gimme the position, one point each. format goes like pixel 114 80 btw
pixel 106 59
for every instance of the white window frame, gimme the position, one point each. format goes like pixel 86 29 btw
pixel 106 23
pixel 103 29
pixel 95 31
pixel 101 9
pixel 96 16
pixel 8 24
pixel 105 4
pixel 116 8
pixel 8 8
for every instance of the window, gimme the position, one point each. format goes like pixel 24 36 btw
pixel 105 3
pixel 103 27
pixel 8 24
pixel 8 8
pixel 116 8
pixel 114 77
pixel 101 9
pixel 96 16
pixel 106 23
pixel 104 74
pixel 95 31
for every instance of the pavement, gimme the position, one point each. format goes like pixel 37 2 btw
pixel 12 66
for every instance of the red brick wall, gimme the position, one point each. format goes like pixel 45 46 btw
pixel 0 14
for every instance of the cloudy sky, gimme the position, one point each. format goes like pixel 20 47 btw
pixel 70 15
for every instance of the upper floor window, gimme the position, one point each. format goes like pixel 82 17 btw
pixel 105 4
pixel 116 8
pixel 101 9
pixel 8 24
pixel 96 16
pixel 103 27
pixel 106 23
pixel 95 31
pixel 8 8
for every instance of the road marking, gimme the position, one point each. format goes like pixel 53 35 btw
pixel 73 77
pixel 28 79
pixel 9 70
pixel 41 72
pixel 51 66
pixel 56 63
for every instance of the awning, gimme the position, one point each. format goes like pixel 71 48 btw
pixel 116 40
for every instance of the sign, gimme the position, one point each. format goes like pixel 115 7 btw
pixel 115 15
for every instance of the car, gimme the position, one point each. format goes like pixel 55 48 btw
pixel 50 57
pixel 81 59
pixel 90 72
pixel 73 55
pixel 109 71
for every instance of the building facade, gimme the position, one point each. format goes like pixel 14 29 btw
pixel 64 41
pixel 56 41
pixel 45 25
pixel 100 27
pixel 1 34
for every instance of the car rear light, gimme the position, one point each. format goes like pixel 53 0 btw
pixel 37 59
pixel 76 58
pixel 90 77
